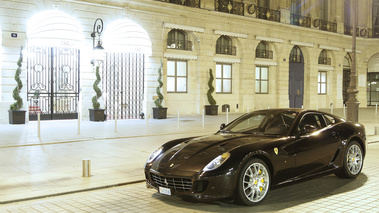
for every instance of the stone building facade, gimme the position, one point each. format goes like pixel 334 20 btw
pixel 263 54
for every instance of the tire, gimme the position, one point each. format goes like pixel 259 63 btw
pixel 352 161
pixel 253 182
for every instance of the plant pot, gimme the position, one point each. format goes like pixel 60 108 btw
pixel 211 109
pixel 17 116
pixel 159 113
pixel 97 114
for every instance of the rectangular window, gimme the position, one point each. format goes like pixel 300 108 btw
pixel 261 80
pixel 176 76
pixel 223 78
pixel 321 83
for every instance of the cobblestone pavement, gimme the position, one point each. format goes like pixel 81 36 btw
pixel 324 194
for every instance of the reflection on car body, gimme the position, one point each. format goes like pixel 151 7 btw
pixel 258 150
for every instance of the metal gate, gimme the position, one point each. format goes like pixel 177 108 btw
pixel 123 85
pixel 53 82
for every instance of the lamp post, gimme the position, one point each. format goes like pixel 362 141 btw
pixel 352 103
pixel 97 30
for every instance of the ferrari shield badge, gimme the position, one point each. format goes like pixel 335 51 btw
pixel 276 150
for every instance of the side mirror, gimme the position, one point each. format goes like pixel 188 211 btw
pixel 308 129
pixel 222 126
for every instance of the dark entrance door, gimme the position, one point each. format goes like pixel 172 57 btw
pixel 296 84
pixel 123 85
pixel 345 86
pixel 53 82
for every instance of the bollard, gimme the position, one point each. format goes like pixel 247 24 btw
pixel 115 121
pixel 377 130
pixel 227 115
pixel 376 109
pixel 86 168
pixel 78 123
pixel 39 124
pixel 202 117
pixel 178 119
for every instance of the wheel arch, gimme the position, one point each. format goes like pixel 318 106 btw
pixel 361 142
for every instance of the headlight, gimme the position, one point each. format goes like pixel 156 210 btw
pixel 217 162
pixel 155 154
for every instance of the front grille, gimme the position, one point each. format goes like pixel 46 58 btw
pixel 176 184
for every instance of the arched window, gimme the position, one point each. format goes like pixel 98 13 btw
pixel 263 51
pixel 224 46
pixel 323 58
pixel 177 39
pixel 296 55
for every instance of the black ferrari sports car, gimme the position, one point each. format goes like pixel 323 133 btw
pixel 256 151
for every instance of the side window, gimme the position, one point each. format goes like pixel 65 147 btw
pixel 329 120
pixel 315 120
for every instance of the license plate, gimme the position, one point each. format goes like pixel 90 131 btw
pixel 165 191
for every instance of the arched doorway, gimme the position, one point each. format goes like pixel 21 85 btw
pixel 373 81
pixel 346 77
pixel 126 44
pixel 296 78
pixel 53 66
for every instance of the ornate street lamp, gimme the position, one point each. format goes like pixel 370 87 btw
pixel 98 49
pixel 352 102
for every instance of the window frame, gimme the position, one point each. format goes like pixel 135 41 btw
pixel 260 80
pixel 222 78
pixel 175 76
pixel 322 84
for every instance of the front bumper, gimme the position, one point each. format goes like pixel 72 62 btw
pixel 203 188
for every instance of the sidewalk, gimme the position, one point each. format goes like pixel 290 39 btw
pixel 35 166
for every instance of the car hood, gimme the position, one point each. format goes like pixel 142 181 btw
pixel 194 154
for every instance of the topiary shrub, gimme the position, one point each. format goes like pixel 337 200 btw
pixel 159 100
pixel 95 103
pixel 211 89
pixel 16 92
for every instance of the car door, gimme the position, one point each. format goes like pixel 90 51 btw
pixel 316 144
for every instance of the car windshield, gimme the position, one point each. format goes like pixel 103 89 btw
pixel 264 122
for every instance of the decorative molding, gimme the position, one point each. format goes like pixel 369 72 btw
pixel 184 27
pixel 350 51
pixel 180 56
pixel 304 44
pixel 329 47
pixel 266 63
pixel 227 60
pixel 231 34
pixel 276 40
pixel 325 68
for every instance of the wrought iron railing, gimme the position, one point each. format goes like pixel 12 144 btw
pixel 267 13
pixel 295 58
pixel 180 45
pixel 367 33
pixel 299 20
pixel 324 60
pixel 231 7
pixel 264 54
pixel 226 50
pixel 325 25
pixel 189 3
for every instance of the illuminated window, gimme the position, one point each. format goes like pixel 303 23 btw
pixel 223 78
pixel 176 76
pixel 261 80
pixel 321 83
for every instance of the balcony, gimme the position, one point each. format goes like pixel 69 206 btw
pixel 299 20
pixel 189 3
pixel 231 7
pixel 367 33
pixel 267 13
pixel 325 25
pixel 179 45
pixel 226 50
pixel 325 61
pixel 264 54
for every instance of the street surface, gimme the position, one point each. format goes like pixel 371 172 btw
pixel 324 194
